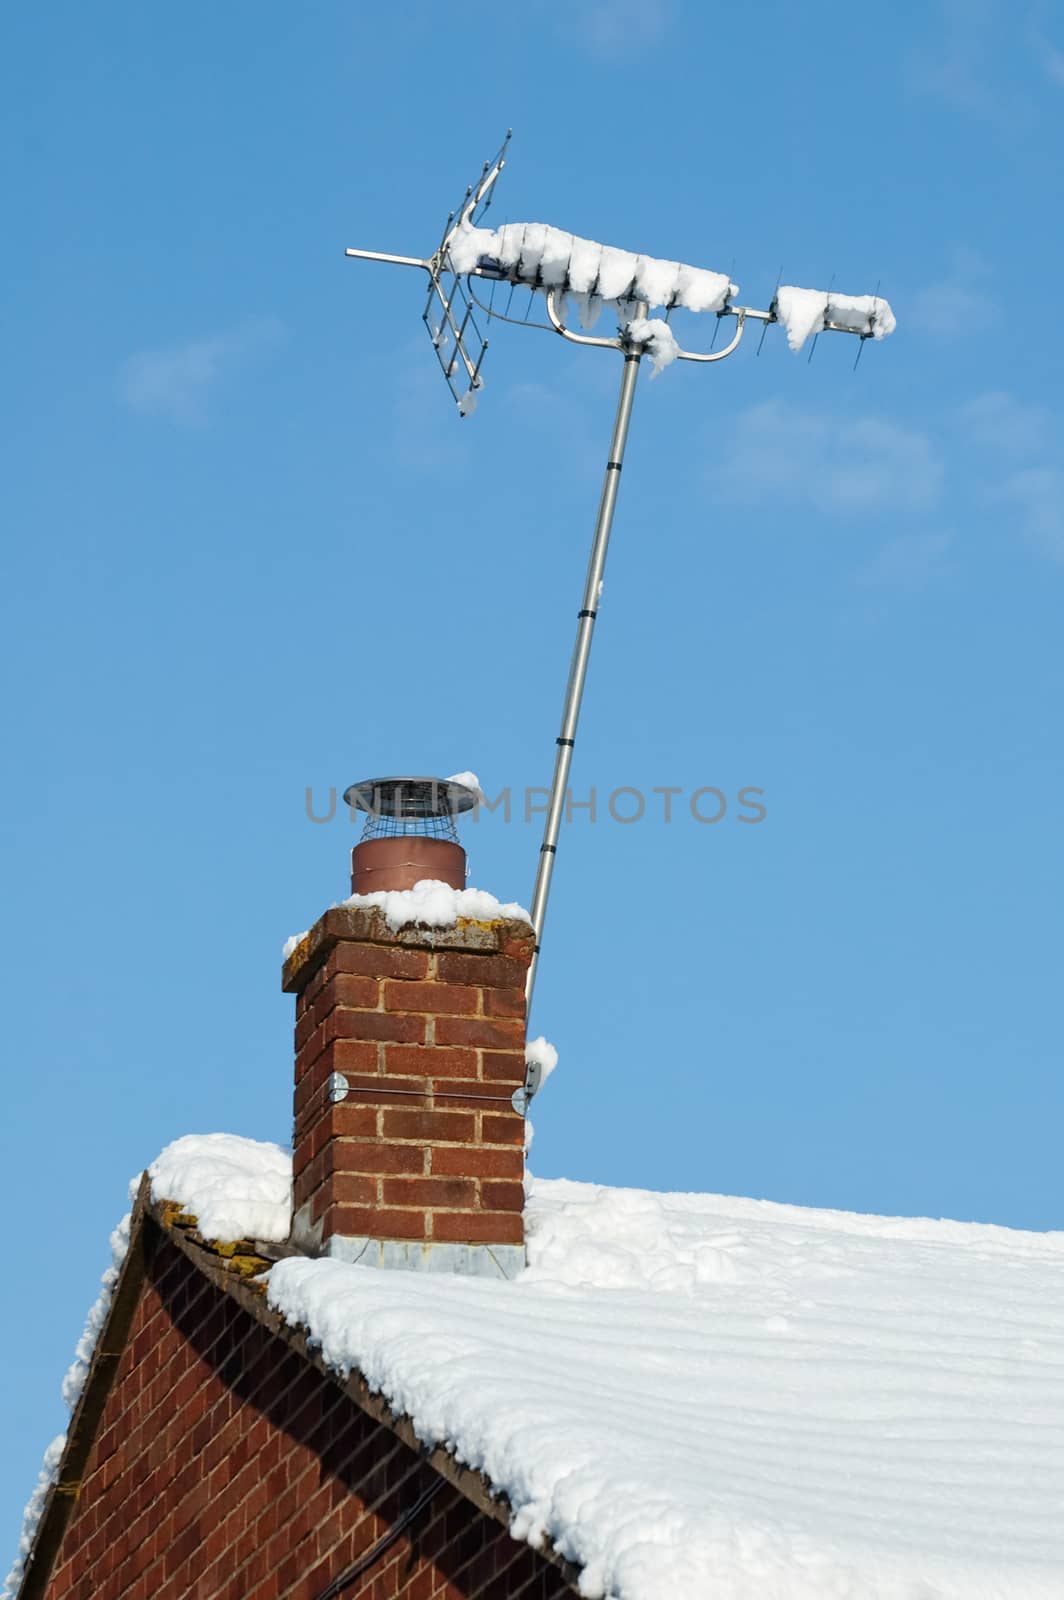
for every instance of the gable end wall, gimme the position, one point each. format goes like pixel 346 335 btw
pixel 225 1467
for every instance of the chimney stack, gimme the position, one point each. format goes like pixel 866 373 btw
pixel 410 1045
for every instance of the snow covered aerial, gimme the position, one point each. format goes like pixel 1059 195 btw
pixel 657 338
pixel 806 311
pixel 692 1395
pixel 598 275
pixel 595 274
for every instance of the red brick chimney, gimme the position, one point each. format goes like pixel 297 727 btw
pixel 410 1045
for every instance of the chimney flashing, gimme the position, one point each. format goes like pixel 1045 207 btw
pixel 472 1260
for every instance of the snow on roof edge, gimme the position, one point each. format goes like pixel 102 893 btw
pixel 73 1384
pixel 236 1188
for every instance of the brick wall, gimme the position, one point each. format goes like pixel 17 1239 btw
pixel 428 1026
pixel 227 1468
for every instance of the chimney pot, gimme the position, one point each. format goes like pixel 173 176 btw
pixel 409 833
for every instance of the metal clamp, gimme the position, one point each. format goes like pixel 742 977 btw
pixel 522 1098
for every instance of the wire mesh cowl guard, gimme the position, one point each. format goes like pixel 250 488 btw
pixel 409 833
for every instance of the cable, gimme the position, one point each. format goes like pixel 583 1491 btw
pixel 373 1554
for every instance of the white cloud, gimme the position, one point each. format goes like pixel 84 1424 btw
pixel 957 303
pixel 950 308
pixel 1050 57
pixel 1009 444
pixel 843 465
pixel 958 67
pixel 175 380
pixel 910 561
pixel 1038 493
pixel 998 421
pixel 616 29
pixel 1053 62
pixel 559 418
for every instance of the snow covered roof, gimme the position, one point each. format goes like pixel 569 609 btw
pixel 692 1395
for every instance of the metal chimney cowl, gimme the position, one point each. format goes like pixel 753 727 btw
pixel 409 833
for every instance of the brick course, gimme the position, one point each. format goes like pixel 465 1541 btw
pixel 428 1027
pixel 226 1467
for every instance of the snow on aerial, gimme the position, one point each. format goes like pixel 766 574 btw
pixel 806 311
pixel 657 338
pixel 533 252
pixel 596 275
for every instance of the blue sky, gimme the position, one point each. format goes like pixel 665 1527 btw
pixel 251 549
